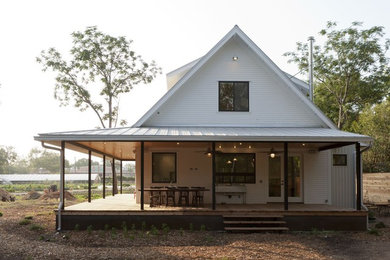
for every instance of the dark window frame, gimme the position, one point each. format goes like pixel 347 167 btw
pixel 222 174
pixel 345 160
pixel 175 181
pixel 219 96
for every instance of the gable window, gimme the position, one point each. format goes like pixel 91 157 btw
pixel 164 167
pixel 235 168
pixel 233 96
pixel 339 160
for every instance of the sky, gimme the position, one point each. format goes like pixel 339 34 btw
pixel 172 33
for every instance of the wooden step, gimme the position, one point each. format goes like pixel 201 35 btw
pixel 256 228
pixel 252 216
pixel 254 222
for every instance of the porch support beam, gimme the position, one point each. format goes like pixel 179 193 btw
pixel 104 176
pixel 89 175
pixel 358 178
pixel 121 174
pixel 142 175
pixel 62 175
pixel 113 177
pixel 333 146
pixel 92 149
pixel 285 161
pixel 213 176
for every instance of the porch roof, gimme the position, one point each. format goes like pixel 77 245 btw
pixel 261 134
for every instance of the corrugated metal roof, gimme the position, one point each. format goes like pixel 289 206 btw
pixel 45 177
pixel 206 134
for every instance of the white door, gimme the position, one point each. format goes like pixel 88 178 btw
pixel 276 179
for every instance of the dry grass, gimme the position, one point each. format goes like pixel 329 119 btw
pixel 376 187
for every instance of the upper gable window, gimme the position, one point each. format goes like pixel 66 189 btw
pixel 233 96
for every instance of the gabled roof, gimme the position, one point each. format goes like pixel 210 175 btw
pixel 236 31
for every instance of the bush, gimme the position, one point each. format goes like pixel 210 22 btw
pixel 153 230
pixel 28 217
pixel 1 214
pixel 374 231
pixel 35 227
pixel 191 227
pixel 165 228
pixel 203 228
pixel 89 229
pixel 24 222
pixel 77 227
pixel 106 227
pixel 380 225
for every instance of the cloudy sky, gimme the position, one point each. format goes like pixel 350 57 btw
pixel 170 32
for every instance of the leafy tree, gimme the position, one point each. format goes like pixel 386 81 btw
pixel 83 162
pixel 374 121
pixel 350 70
pixel 42 160
pixel 8 157
pixel 102 66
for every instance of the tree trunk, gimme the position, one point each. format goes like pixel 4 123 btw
pixel 339 121
pixel 110 112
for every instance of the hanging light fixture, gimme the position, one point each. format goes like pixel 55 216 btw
pixel 272 153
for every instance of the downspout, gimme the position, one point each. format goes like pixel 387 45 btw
pixel 361 175
pixel 60 205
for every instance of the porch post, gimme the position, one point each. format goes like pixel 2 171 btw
pixel 285 176
pixel 104 176
pixel 358 178
pixel 142 175
pixel 89 176
pixel 62 175
pixel 113 176
pixel 213 174
pixel 121 174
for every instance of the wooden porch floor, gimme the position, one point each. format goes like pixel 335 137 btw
pixel 127 203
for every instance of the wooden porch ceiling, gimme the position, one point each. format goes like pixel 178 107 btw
pixel 125 150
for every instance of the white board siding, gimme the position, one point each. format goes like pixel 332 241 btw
pixel 271 103
pixel 343 179
pixel 316 178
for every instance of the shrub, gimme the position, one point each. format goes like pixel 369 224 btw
pixel 181 231
pixel 202 227
pixel 374 231
pixel 24 222
pixel 380 225
pixel 106 227
pixel 143 225
pixel 35 227
pixel 191 227
pixel 153 230
pixel 165 228
pixel 89 229
pixel 28 217
pixel 77 227
pixel 1 214
pixel 113 232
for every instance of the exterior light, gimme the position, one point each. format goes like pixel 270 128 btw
pixel 177 143
pixel 235 58
pixel 240 143
pixel 234 147
pixel 250 146
pixel 303 144
pixel 229 162
pixel 209 154
pixel 272 153
pixel 220 146
pixel 235 159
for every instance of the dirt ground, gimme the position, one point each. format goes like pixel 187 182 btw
pixel 23 242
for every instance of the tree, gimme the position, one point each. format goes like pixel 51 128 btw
pixel 8 156
pixel 102 65
pixel 374 121
pixel 350 70
pixel 42 160
pixel 83 162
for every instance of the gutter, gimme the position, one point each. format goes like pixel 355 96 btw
pixel 60 205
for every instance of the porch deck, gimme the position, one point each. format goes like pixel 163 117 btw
pixel 127 203
pixel 122 208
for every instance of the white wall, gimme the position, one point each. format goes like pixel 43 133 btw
pixel 317 178
pixel 343 179
pixel 272 104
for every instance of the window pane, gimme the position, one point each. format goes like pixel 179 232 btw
pixel 226 95
pixel 274 177
pixel 294 176
pixel 164 167
pixel 235 168
pixel 339 160
pixel 241 96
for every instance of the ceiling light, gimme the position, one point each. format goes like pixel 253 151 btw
pixel 220 146
pixel 234 147
pixel 235 58
pixel 272 153
pixel 177 143
pixel 250 146
pixel 209 154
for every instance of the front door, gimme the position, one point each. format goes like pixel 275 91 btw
pixel 276 179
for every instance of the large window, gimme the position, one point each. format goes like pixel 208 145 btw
pixel 235 168
pixel 164 167
pixel 233 96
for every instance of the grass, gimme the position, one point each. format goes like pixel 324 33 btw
pixel 35 227
pixel 25 222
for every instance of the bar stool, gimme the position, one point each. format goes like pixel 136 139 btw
pixel 155 197
pixel 197 196
pixel 170 196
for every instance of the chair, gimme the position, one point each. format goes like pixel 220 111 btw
pixel 184 194
pixel 170 196
pixel 197 196
pixel 155 197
